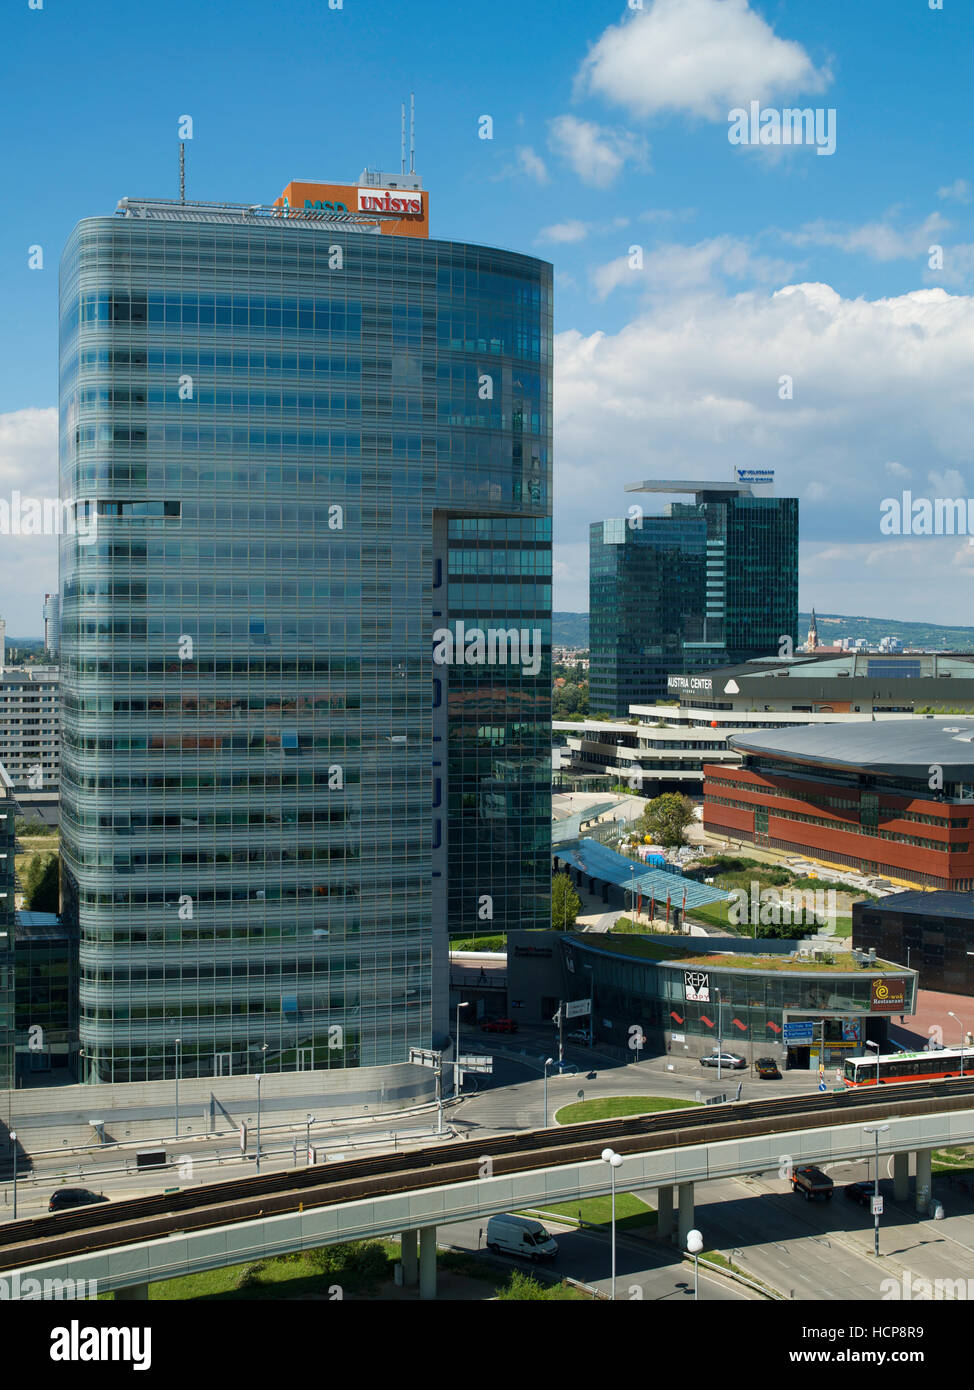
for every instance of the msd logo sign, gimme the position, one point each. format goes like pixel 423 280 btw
pixel 394 200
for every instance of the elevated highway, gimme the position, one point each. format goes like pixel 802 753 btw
pixel 127 1244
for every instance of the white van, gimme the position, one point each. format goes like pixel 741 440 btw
pixel 520 1235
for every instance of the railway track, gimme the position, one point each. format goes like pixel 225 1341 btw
pixel 41 1239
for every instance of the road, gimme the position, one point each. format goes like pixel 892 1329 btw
pixel 644 1269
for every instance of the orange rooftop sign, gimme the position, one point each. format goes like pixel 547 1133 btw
pixel 411 204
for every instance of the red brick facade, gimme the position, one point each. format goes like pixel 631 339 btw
pixel 803 817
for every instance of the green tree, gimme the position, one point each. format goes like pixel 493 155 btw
pixel 565 902
pixel 666 819
pixel 41 884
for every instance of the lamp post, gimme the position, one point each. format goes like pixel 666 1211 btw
pixel 951 1014
pixel 614 1161
pixel 633 906
pixel 13 1140
pixel 456 1064
pixel 308 1123
pixel 549 1062
pixel 877 1130
pixel 694 1246
pixel 259 1078
pixel 875 1048
pixel 178 1041
pixel 720 1040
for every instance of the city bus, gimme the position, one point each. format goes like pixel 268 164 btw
pixel 909 1066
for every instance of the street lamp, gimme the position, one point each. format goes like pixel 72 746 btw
pixel 694 1246
pixel 951 1014
pixel 875 1048
pixel 549 1062
pixel 259 1078
pixel 308 1123
pixel 720 1040
pixel 13 1140
pixel 178 1041
pixel 877 1130
pixel 456 1064
pixel 614 1161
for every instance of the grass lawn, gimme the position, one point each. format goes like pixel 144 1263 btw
pixel 612 1107
pixel 295 1276
pixel 631 1211
pixel 479 943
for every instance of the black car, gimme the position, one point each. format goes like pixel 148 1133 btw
pixel 727 1059
pixel 768 1068
pixel 66 1197
pixel 861 1192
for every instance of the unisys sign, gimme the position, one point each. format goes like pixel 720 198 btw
pixel 406 204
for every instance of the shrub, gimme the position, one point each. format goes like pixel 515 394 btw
pixel 252 1275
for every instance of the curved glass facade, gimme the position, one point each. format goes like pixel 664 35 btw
pixel 299 450
pixel 664 999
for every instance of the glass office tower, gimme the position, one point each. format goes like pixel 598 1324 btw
pixel 647 595
pixel 297 450
pixel 709 583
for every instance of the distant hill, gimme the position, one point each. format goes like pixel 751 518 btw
pixel 571 630
pixel 933 636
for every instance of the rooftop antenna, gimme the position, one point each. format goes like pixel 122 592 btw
pixel 412 132
pixel 182 171
pixel 404 137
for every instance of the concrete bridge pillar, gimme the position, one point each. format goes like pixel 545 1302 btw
pixel 427 1262
pixel 410 1267
pixel 685 1219
pixel 901 1177
pixel 664 1211
pixel 137 1293
pixel 924 1179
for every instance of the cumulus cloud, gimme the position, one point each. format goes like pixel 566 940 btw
pixel 692 386
pixel 957 192
pixel 674 267
pixel 532 164
pixel 564 232
pixel 881 241
pixel 28 564
pixel 696 56
pixel 596 154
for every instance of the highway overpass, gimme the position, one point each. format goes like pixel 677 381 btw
pixel 128 1244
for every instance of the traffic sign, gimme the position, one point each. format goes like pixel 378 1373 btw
pixel 578 1008
pixel 822 1086
pixel 476 1063
pixel 876 1205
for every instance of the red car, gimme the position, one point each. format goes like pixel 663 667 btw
pixel 500 1025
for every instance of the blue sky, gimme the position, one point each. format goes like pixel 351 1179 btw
pixel 610 131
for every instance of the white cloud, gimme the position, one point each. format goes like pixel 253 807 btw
pixel 690 387
pixel 957 192
pixel 564 232
pixel 696 56
pixel 28 564
pixel 916 579
pixel 674 267
pixel 881 241
pixel 532 164
pixel 596 154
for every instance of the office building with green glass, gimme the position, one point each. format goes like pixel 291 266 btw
pixel 708 583
pixel 299 450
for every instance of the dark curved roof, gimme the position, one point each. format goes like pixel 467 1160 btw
pixel 894 747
